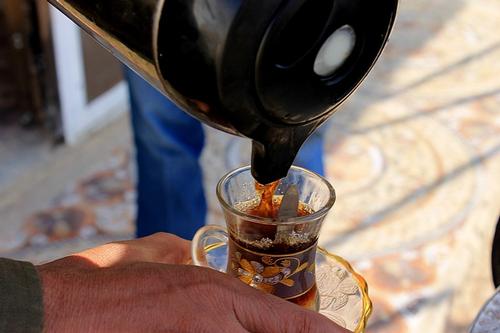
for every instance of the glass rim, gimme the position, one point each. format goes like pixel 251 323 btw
pixel 273 221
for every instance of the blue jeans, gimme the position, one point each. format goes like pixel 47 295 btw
pixel 169 144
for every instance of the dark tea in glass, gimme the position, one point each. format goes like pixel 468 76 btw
pixel 266 251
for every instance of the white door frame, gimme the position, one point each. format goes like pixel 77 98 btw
pixel 80 117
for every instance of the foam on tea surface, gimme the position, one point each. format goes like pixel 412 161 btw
pixel 292 237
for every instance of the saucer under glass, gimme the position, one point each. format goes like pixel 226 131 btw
pixel 343 293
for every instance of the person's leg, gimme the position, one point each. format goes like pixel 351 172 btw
pixel 168 146
pixel 310 155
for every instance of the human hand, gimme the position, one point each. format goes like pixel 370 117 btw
pixel 142 286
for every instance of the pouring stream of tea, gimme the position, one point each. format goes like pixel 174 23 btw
pixel 288 208
pixel 267 207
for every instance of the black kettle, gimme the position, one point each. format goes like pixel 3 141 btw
pixel 270 70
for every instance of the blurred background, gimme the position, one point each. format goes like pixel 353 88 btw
pixel 414 156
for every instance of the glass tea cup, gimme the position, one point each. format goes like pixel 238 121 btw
pixel 276 255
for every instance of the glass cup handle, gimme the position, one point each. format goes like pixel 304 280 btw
pixel 206 237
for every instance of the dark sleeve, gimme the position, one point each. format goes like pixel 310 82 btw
pixel 21 304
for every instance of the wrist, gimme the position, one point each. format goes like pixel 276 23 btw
pixel 49 296
pixel 59 287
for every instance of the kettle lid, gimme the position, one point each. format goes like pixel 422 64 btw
pixel 277 62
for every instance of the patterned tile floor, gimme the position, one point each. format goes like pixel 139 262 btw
pixel 414 157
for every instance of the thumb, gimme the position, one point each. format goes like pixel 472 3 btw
pixel 265 313
pixel 159 248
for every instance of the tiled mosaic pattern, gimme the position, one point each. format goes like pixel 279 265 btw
pixel 101 203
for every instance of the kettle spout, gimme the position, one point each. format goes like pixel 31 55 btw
pixel 272 159
pixel 270 164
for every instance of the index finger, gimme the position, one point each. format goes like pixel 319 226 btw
pixel 264 313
